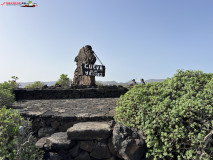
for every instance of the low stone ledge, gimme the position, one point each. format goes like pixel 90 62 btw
pixel 58 141
pixel 33 94
pixel 85 109
pixel 95 141
pixel 89 131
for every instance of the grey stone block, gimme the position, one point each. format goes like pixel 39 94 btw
pixel 89 131
pixel 41 142
pixel 58 141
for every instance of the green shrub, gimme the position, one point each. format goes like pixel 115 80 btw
pixel 64 81
pixel 175 115
pixel 6 95
pixel 14 146
pixel 35 85
pixel 6 85
pixel 25 144
pixel 9 125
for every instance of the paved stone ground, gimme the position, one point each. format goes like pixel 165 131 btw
pixel 88 108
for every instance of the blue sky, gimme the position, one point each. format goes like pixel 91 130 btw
pixel 134 39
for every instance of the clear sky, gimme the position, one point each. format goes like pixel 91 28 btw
pixel 133 39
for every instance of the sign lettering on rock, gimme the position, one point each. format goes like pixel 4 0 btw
pixel 93 70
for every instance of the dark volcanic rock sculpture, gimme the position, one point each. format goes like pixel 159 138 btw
pixel 85 56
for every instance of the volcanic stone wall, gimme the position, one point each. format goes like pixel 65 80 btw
pixel 92 141
pixel 77 124
pixel 30 94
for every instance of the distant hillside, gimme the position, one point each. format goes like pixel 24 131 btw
pixel 23 84
pixel 108 82
pixel 154 80
pixel 129 82
pixel 51 83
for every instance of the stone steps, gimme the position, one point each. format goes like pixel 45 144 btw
pixel 90 131
pixel 88 141
pixel 59 141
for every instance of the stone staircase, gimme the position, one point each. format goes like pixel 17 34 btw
pixel 94 141
pixel 77 124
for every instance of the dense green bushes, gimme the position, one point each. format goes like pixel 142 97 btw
pixel 176 115
pixel 13 145
pixel 6 96
pixel 9 124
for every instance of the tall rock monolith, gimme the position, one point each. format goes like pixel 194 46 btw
pixel 85 56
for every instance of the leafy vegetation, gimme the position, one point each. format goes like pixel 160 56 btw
pixel 64 81
pixel 37 84
pixel 13 83
pixel 6 95
pixel 176 115
pixel 15 145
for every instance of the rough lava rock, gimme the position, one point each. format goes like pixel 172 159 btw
pixel 128 143
pixel 45 131
pixel 83 156
pixel 58 141
pixel 87 145
pixel 75 151
pixel 111 147
pixel 41 142
pixel 101 150
pixel 54 156
pixel 89 131
pixel 85 56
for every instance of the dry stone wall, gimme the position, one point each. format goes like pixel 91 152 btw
pixel 79 128
pixel 107 92
pixel 94 141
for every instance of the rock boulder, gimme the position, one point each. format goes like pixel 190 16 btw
pixel 128 143
pixel 89 131
pixel 58 141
